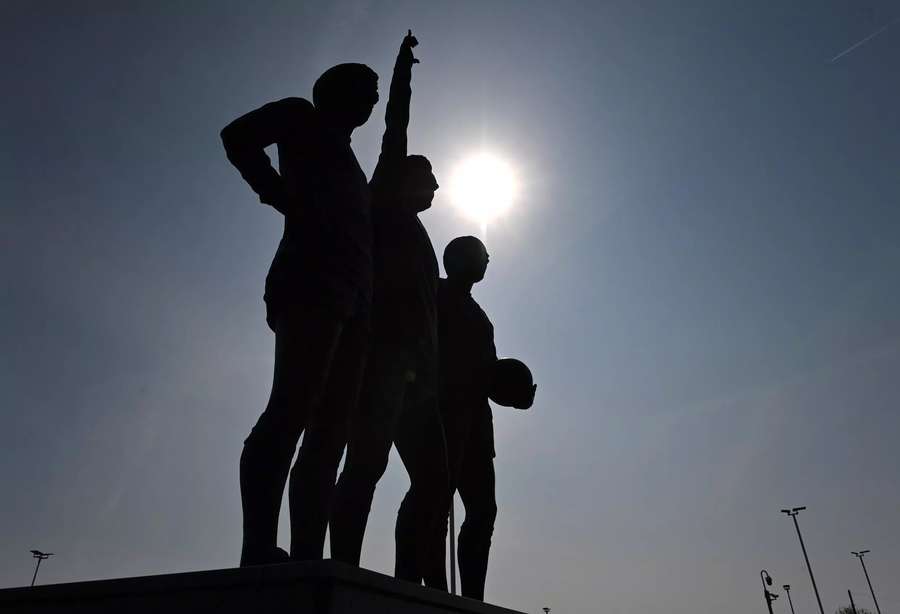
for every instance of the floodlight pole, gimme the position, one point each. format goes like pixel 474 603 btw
pixel 852 605
pixel 860 556
pixel 36 567
pixel 787 589
pixel 546 610
pixel 40 556
pixel 793 514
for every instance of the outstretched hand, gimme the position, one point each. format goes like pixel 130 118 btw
pixel 406 47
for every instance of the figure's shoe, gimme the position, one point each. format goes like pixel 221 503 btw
pixel 263 556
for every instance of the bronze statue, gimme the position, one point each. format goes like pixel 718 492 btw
pixel 318 302
pixel 470 375
pixel 399 400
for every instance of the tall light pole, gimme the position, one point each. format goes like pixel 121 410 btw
pixel 860 556
pixel 793 514
pixel 767 582
pixel 40 556
pixel 852 604
pixel 787 589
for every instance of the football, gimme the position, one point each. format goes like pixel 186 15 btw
pixel 512 384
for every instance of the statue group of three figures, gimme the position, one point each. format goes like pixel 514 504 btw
pixel 372 347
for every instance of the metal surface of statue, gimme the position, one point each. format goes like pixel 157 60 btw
pixel 398 403
pixel 471 374
pixel 318 296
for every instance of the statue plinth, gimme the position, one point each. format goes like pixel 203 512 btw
pixel 313 587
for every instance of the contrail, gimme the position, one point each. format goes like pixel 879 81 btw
pixel 863 41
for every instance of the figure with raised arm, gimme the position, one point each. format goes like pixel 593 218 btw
pixel 470 375
pixel 398 403
pixel 318 296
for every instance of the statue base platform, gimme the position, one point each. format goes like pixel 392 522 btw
pixel 313 587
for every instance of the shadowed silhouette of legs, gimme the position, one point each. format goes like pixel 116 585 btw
pixel 420 443
pixel 477 491
pixel 306 345
pixel 313 477
pixel 398 407
pixel 382 400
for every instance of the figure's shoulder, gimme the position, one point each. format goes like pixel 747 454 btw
pixel 297 110
pixel 297 104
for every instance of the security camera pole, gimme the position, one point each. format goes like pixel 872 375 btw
pixel 767 582
pixel 793 514
pixel 40 556
pixel 860 556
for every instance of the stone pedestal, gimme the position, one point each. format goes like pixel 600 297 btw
pixel 315 587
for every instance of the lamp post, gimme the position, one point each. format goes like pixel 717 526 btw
pixel 40 556
pixel 860 556
pixel 793 514
pixel 852 605
pixel 787 589
pixel 767 582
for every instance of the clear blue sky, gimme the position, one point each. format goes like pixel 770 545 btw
pixel 702 272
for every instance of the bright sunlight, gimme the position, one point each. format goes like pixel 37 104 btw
pixel 483 188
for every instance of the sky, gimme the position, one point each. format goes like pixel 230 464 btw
pixel 701 269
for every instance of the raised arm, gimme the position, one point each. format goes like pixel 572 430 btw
pixel 396 117
pixel 246 138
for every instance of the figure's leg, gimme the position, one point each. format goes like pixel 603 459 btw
pixel 421 445
pixel 477 491
pixel 372 433
pixel 313 476
pixel 303 349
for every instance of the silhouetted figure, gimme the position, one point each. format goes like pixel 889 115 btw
pixel 399 398
pixel 318 302
pixel 470 374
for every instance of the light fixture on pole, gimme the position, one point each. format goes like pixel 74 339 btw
pixel 860 556
pixel 787 589
pixel 793 514
pixel 767 582
pixel 546 610
pixel 40 556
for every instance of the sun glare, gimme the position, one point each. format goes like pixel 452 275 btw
pixel 483 188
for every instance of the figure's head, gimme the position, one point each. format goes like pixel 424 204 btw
pixel 418 185
pixel 466 259
pixel 347 93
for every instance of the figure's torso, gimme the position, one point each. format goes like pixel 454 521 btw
pixel 467 357
pixel 325 253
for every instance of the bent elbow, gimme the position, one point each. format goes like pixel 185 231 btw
pixel 227 136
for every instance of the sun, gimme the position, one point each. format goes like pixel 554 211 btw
pixel 483 188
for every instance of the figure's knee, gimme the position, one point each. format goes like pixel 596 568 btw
pixel 365 465
pixel 490 515
pixel 326 440
pixel 480 518
pixel 275 434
